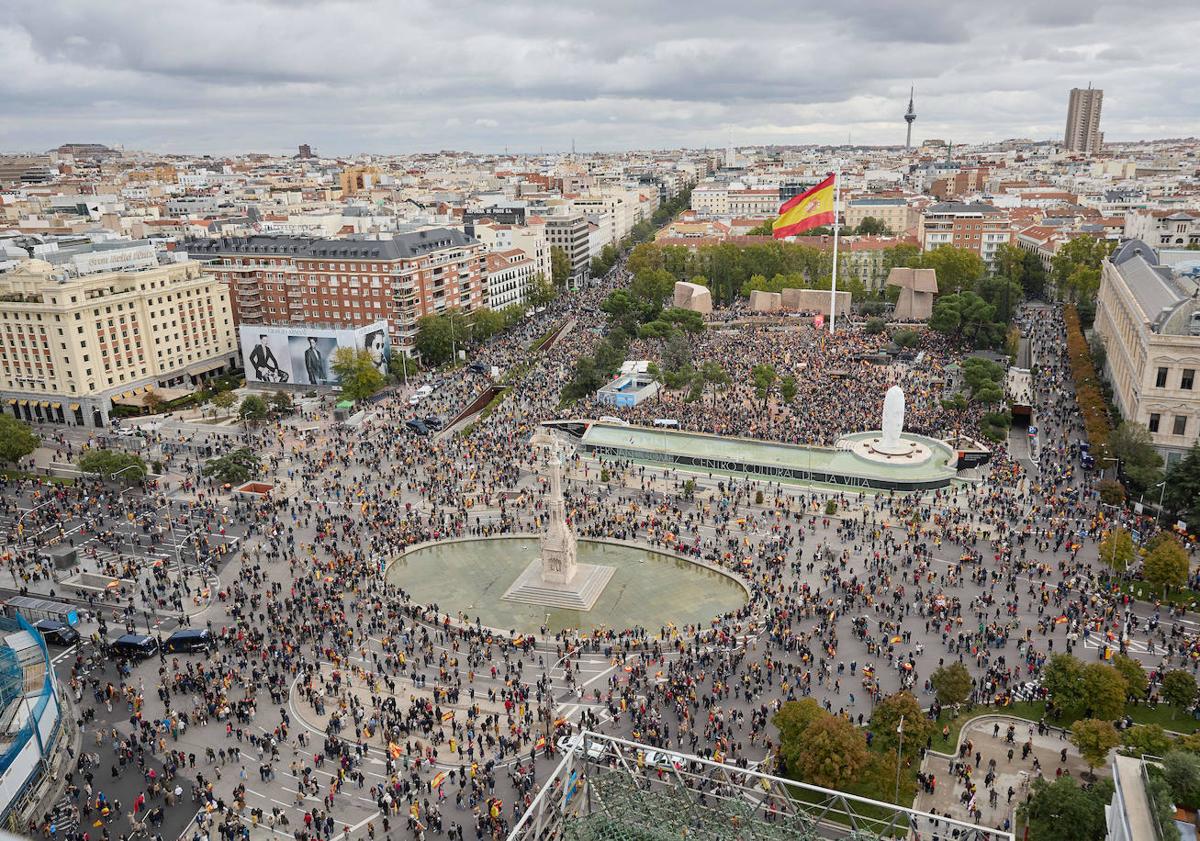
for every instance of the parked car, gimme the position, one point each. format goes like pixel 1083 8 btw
pixel 189 640
pixel 477 368
pixel 57 633
pixel 135 646
pixel 434 422
pixel 417 425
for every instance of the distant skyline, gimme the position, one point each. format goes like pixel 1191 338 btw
pixel 232 76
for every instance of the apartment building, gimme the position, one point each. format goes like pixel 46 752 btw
pixel 962 183
pixel 1083 121
pixel 711 199
pixel 73 342
pixel 757 201
pixel 1149 320
pixel 530 238
pixel 1164 228
pixel 977 227
pixel 349 282
pixel 893 212
pixel 510 275
pixel 571 234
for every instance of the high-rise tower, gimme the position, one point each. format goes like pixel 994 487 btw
pixel 910 117
pixel 1083 121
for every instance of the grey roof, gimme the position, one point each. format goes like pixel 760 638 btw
pixel 880 202
pixel 1153 286
pixel 399 247
pixel 962 207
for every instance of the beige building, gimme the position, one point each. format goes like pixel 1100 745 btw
pixel 1149 320
pixel 895 213
pixel 72 342
pixel 1083 121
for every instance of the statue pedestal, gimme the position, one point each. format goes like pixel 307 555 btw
pixel 580 593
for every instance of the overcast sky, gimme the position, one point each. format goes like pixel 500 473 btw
pixel 210 76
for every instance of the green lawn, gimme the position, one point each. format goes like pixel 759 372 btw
pixel 18 475
pixel 1179 596
pixel 1162 715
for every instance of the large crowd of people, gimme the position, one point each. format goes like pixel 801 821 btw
pixel 327 677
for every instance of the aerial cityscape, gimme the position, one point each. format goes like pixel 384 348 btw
pixel 599 424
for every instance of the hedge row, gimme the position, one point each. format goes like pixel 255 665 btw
pixel 1088 393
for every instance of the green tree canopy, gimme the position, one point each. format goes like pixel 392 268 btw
pixel 281 402
pixel 17 440
pixel 1166 565
pixel 834 753
pixel 1179 689
pixel 1104 692
pixel 433 340
pixel 233 468
pixel 485 323
pixel 1140 462
pixel 1062 811
pixel 958 269
pixel 1062 678
pixel 252 409
pixel 1181 494
pixel 108 464
pixel 763 377
pixel 1116 549
pixel 359 378
pixel 968 317
pixel 1181 770
pixel 1003 294
pixel 224 399
pixel 952 683
pixel 886 719
pixel 1075 267
pixel 906 337
pixel 787 388
pixel 541 292
pixel 870 226
pixel 560 266
pixel 1094 738
pixel 1145 739
pixel 1133 674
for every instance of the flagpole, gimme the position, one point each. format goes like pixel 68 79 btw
pixel 837 187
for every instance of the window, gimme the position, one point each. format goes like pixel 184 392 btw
pixel 1154 419
pixel 1160 381
pixel 1188 378
pixel 1180 425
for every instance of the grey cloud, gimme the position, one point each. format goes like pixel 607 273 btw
pixel 377 75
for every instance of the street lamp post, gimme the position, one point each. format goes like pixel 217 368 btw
pixel 899 748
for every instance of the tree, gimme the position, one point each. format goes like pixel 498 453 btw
pixel 952 683
pixel 689 321
pixel 763 376
pixel 1076 266
pixel 1062 811
pixel 1182 491
pixel 281 402
pixel 541 292
pixel 901 255
pixel 233 468
pixel 870 226
pixel 1145 740
pixel 967 316
pixel 108 464
pixel 560 266
pixel 874 326
pixel 1004 294
pixel 1062 678
pixel 792 720
pixel 1112 492
pixel 1166 566
pixel 1181 770
pixel 787 388
pixel 983 377
pixel 834 754
pixel 1133 674
pixel 434 340
pixel 224 400
pixel 1139 461
pixel 1104 692
pixel 253 408
pixel 153 401
pixel 17 440
pixel 1179 690
pixel 714 375
pixel 357 373
pixel 763 230
pixel 1033 278
pixel 486 323
pixel 886 719
pixel 906 338
pixel 1094 738
pixel 957 268
pixel 1116 549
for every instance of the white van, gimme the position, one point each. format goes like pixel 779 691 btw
pixel 420 394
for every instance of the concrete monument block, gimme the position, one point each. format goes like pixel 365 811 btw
pixel 917 290
pixel 693 296
pixel 766 301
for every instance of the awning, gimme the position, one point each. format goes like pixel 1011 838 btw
pixel 12 401
pixel 45 404
pixel 74 407
pixel 205 367
pixel 56 405
pixel 24 402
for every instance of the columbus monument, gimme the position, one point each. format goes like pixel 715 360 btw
pixel 556 578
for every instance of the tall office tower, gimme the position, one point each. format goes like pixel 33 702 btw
pixel 1083 121
pixel 910 117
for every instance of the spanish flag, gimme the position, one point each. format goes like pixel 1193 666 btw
pixel 438 779
pixel 395 750
pixel 810 209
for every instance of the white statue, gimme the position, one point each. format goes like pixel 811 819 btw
pixel 893 419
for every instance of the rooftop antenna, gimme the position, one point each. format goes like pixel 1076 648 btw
pixel 910 117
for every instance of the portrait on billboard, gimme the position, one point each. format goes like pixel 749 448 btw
pixel 268 359
pixel 376 344
pixel 310 357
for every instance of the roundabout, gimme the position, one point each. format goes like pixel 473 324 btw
pixel 648 588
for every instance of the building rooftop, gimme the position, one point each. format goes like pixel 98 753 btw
pixel 399 247
pixel 962 207
pixel 1155 289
